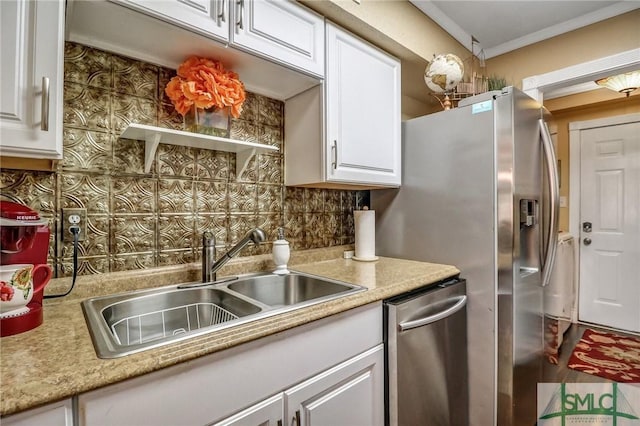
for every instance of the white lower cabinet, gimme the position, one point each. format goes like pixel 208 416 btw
pixel 57 414
pixel 329 371
pixel 264 413
pixel 349 394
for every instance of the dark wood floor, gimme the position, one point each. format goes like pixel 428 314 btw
pixel 561 373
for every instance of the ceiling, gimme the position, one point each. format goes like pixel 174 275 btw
pixel 502 26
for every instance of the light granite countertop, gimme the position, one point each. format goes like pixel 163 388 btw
pixel 57 360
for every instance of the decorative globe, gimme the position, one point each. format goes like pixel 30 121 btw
pixel 444 73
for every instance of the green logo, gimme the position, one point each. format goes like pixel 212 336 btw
pixel 587 407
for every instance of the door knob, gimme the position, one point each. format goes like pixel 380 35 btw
pixel 587 241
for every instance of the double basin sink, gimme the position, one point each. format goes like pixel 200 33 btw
pixel 127 323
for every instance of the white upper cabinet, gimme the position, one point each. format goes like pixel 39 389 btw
pixel 208 17
pixel 280 30
pixel 348 135
pixel 363 111
pixel 240 33
pixel 32 46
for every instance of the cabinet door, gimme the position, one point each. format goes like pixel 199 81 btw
pixel 207 17
pixel 282 31
pixel 350 394
pixel 31 84
pixel 362 112
pixel 265 413
pixel 56 414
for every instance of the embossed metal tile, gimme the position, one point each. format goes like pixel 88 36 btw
pixel 250 108
pixel 132 109
pixel 332 200
pixel 175 196
pixel 294 199
pixel 270 135
pixel 128 262
pixel 250 174
pixel 271 111
pixel 216 223
pixel 175 232
pixel 212 164
pixel 175 257
pixel 86 107
pixel 270 168
pixel 132 195
pixel 313 200
pixel 270 222
pixel 97 245
pixel 35 189
pixel 314 230
pixel 294 226
pixel 243 197
pixel 211 197
pixel 174 160
pixel 86 191
pixel 133 233
pixel 269 198
pixel 332 229
pixel 87 66
pixel 244 130
pixel 128 156
pixel 169 118
pixel 86 266
pixel 136 78
pixel 239 225
pixel 85 150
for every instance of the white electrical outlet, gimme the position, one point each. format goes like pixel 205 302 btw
pixel 73 217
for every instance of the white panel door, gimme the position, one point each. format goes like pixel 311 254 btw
pixel 57 414
pixel 264 413
pixel 610 226
pixel 208 17
pixel 350 394
pixel 31 84
pixel 280 30
pixel 363 112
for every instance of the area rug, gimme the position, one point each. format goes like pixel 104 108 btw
pixel 607 355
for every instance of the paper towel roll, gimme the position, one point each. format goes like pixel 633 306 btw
pixel 365 223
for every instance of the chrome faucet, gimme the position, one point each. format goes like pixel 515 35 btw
pixel 209 263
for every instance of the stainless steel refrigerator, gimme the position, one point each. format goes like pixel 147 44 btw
pixel 479 191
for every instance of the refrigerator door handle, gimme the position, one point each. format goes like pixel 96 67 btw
pixel 554 197
pixel 460 302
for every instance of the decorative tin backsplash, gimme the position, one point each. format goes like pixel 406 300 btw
pixel 140 220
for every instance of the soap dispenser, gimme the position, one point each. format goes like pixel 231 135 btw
pixel 281 253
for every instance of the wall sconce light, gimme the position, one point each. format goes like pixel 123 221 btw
pixel 623 83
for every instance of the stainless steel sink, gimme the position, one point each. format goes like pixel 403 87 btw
pixel 286 290
pixel 132 322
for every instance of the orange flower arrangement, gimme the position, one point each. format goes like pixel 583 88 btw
pixel 205 83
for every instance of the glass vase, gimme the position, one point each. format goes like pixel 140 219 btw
pixel 208 121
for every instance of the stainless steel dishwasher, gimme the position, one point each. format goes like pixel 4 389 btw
pixel 426 356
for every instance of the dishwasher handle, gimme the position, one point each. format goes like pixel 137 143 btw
pixel 460 303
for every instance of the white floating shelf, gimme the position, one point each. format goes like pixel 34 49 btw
pixel 155 135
